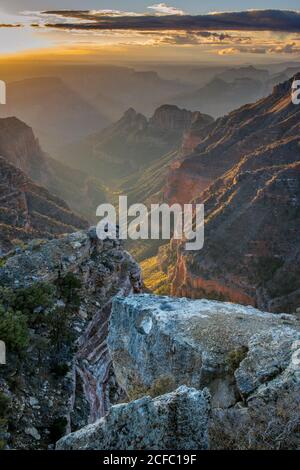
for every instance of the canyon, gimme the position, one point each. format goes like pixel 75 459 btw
pixel 246 173
pixel 231 138
pixel 132 143
pixel 213 366
pixel 20 147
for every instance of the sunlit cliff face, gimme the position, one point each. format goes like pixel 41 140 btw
pixel 94 35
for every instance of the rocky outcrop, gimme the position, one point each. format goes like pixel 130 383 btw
pixel 178 420
pixel 248 360
pixel 157 341
pixel 171 118
pixel 196 132
pixel 65 379
pixel 29 211
pixel 268 380
pixel 131 120
pixel 19 145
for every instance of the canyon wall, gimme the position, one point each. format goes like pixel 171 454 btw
pixel 246 173
pixel 63 379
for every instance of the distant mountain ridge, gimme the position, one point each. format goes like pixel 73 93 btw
pixel 219 96
pixel 53 109
pixel 249 71
pixel 133 142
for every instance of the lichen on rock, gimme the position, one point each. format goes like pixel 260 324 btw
pixel 178 420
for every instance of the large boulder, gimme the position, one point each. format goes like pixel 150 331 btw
pixel 178 420
pixel 268 380
pixel 240 368
pixel 158 343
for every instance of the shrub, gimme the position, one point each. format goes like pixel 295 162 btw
pixel 28 299
pixel 163 384
pixel 17 311
pixel 265 268
pixel 2 262
pixel 68 286
pixel 137 391
pixel 7 297
pixel 13 329
pixel 235 357
pixel 58 322
pixel 4 404
pixel 60 369
pixel 58 428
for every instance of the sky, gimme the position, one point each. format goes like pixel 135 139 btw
pixel 191 6
pixel 189 30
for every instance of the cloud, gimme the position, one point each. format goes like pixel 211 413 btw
pixel 290 48
pixel 224 33
pixel 245 50
pixel 164 9
pixel 254 20
pixel 228 51
pixel 10 25
pixel 194 38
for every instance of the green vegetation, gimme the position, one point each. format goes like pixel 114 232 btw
pixel 4 404
pixel 19 243
pixel 34 300
pixel 235 357
pixel 30 301
pixel 13 324
pixel 265 268
pixel 58 428
pixel 4 408
pixel 29 307
pixel 58 322
pixel 13 329
pixel 68 287
pixel 60 369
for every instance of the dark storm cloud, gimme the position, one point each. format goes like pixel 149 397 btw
pixel 193 37
pixel 254 20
